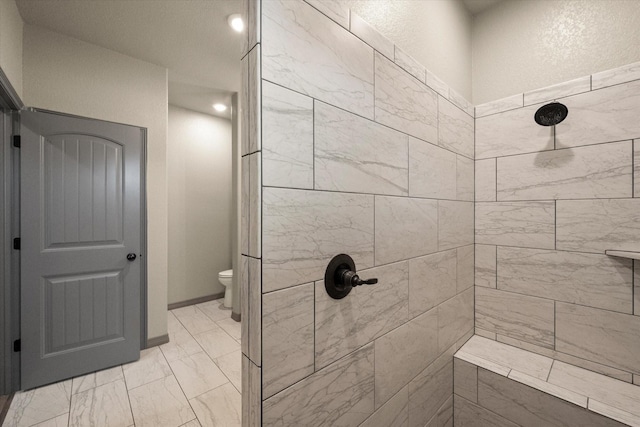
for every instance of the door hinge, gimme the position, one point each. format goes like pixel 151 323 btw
pixel 17 346
pixel 16 243
pixel 16 141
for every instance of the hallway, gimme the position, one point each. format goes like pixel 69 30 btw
pixel 194 380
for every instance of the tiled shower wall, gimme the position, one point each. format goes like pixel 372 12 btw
pixel 355 149
pixel 549 202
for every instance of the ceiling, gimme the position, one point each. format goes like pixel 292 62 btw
pixel 476 6
pixel 190 38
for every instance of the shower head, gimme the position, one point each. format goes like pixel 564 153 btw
pixel 551 114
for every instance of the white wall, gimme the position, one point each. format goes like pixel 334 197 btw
pixel 67 75
pixel 523 45
pixel 11 43
pixel 200 209
pixel 437 33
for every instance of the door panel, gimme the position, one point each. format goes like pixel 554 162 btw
pixel 81 215
pixel 82 191
pixel 82 310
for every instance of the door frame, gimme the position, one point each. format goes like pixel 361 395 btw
pixel 10 105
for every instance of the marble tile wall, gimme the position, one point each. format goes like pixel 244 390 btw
pixel 362 151
pixel 521 387
pixel 549 203
pixel 250 274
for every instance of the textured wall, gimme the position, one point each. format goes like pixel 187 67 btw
pixel 529 44
pixel 11 43
pixel 359 151
pixel 548 205
pixel 68 75
pixel 199 177
pixel 436 33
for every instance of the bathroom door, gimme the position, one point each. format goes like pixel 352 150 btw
pixel 81 203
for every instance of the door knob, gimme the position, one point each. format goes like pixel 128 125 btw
pixel 131 257
pixel 340 277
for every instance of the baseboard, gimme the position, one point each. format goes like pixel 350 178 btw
pixel 200 300
pixel 4 408
pixel 236 316
pixel 156 341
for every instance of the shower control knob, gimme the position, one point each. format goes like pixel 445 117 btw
pixel 340 277
pixel 348 277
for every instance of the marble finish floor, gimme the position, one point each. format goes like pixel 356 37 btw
pixel 194 380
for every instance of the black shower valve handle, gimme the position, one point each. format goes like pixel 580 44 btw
pixel 340 277
pixel 346 277
pixel 367 282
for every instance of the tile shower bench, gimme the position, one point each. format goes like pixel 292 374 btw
pixel 496 384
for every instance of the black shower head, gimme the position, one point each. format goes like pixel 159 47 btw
pixel 551 114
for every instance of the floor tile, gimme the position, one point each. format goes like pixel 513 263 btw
pixel 60 421
pixel 173 324
pixel 181 344
pixel 215 310
pixel 197 374
pixel 105 406
pixel 218 407
pixel 217 342
pixel 39 404
pixel 231 327
pixel 231 365
pixel 95 379
pixel 160 403
pixel 151 366
pixel 193 319
pixel 192 423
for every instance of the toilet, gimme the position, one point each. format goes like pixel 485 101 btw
pixel 225 277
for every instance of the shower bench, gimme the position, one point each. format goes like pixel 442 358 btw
pixel 496 384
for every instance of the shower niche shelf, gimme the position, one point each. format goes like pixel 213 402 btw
pixel 623 254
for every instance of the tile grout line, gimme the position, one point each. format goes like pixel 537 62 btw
pixel 124 378
pixel 374 231
pixel 495 166
pixel 550 150
pixel 314 326
pixel 210 358
pixel 622 313
pixel 555 315
pixel 633 167
pixel 71 397
pixel 551 99
pixel 313 140
pixel 620 371
pixel 371 120
pixel 180 385
pixel 397 196
pixel 260 395
pixel 375 266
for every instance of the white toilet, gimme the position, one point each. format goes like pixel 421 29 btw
pixel 225 277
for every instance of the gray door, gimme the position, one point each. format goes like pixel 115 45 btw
pixel 80 218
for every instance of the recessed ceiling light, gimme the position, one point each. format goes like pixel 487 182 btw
pixel 235 21
pixel 220 107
